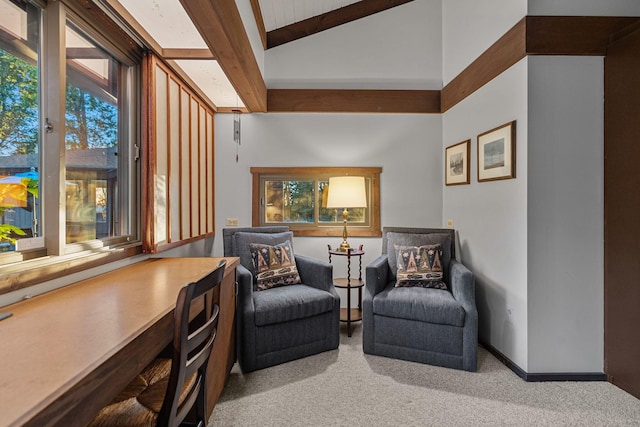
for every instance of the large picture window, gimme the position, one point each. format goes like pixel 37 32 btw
pixel 297 197
pixel 69 138
pixel 19 122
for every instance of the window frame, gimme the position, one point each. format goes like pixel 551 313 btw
pixel 371 174
pixel 56 258
pixel 129 76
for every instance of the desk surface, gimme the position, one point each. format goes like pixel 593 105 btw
pixel 60 348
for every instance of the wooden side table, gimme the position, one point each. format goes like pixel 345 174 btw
pixel 349 314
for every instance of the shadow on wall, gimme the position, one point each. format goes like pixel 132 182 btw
pixel 495 326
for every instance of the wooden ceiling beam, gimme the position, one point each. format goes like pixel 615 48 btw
pixel 505 52
pixel 221 27
pixel 187 53
pixel 354 101
pixel 573 35
pixel 536 35
pixel 328 20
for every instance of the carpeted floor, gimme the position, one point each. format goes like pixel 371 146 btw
pixel 345 387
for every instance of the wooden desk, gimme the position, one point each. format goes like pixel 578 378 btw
pixel 67 353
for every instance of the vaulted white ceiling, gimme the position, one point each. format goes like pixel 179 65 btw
pixel 279 13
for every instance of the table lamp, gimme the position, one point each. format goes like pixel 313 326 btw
pixel 346 192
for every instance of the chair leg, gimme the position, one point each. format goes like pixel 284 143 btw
pixel 201 403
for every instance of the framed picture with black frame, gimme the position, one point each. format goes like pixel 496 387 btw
pixel 497 153
pixel 457 163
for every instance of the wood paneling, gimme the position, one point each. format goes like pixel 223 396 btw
pixel 192 175
pixel 174 161
pixel 185 164
pixel 621 207
pixel 354 101
pixel 221 27
pixel 328 20
pixel 202 169
pixel 505 52
pixel 179 188
pixel 210 155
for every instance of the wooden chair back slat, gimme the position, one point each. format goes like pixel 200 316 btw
pixel 183 363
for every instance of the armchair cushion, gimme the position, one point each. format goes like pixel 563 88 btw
pixel 424 305
pixel 289 303
pixel 419 266
pixel 417 239
pixel 242 239
pixel 274 265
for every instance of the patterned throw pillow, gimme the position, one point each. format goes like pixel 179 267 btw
pixel 275 265
pixel 419 266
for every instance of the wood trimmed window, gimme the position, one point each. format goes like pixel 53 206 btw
pixel 296 197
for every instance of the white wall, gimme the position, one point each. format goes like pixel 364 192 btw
pixel 565 214
pixel 399 48
pixel 491 217
pixel 534 243
pixel 407 147
pixel 469 27
pixel 584 7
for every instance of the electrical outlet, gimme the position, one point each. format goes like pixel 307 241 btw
pixel 232 222
pixel 450 223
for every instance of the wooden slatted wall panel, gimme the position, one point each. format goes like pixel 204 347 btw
pixel 180 148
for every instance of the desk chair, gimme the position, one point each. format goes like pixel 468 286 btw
pixel 167 389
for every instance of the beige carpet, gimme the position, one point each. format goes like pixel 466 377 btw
pixel 345 387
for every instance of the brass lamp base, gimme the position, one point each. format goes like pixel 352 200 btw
pixel 344 246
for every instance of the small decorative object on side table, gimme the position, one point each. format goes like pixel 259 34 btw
pixel 350 314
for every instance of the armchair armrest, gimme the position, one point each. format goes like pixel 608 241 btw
pixel 463 286
pixel 245 289
pixel 377 275
pixel 315 272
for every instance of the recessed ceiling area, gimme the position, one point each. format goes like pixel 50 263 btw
pixel 166 21
pixel 170 27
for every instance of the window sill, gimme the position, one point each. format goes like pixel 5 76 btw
pixel 334 232
pixel 28 273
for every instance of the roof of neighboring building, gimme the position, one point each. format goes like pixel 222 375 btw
pixel 92 158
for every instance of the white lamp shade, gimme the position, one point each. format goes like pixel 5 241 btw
pixel 347 192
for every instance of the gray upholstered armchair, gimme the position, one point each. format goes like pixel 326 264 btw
pixel 282 323
pixel 427 325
